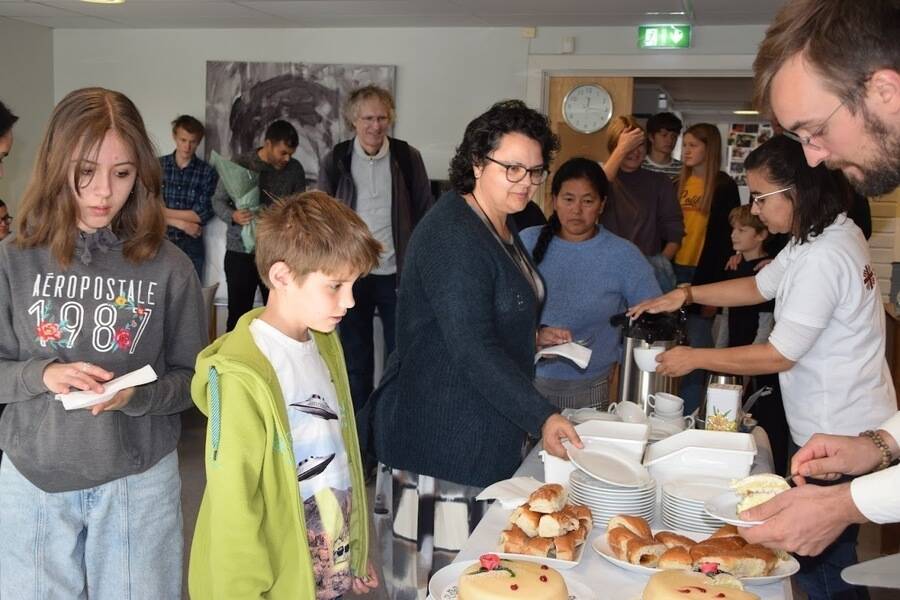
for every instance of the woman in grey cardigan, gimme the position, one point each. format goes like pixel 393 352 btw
pixel 457 400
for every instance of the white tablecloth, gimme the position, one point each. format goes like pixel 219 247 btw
pixel 616 583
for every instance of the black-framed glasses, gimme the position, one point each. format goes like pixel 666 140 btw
pixel 7 219
pixel 820 132
pixel 516 173
pixel 758 199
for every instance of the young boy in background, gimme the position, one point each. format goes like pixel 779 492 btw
pixel 753 324
pixel 284 513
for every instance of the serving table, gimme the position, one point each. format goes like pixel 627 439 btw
pixel 595 571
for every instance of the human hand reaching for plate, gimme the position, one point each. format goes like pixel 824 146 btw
pixel 556 429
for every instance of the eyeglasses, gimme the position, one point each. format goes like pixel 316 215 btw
pixel 7 219
pixel 758 199
pixel 820 132
pixel 516 173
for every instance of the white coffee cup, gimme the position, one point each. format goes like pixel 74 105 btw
pixel 666 403
pixel 646 357
pixel 679 421
pixel 629 412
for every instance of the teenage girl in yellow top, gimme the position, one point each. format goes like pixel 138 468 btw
pixel 707 196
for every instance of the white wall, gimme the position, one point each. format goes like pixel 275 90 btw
pixel 444 76
pixel 26 87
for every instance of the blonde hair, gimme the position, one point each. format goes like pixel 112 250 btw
pixel 619 125
pixel 710 137
pixel 741 216
pixel 49 212
pixel 311 232
pixel 357 96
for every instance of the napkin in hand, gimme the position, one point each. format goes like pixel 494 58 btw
pixel 510 493
pixel 86 399
pixel 578 354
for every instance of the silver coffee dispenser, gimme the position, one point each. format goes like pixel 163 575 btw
pixel 663 329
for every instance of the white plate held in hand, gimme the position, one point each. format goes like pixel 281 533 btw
pixel 724 507
pixel 609 466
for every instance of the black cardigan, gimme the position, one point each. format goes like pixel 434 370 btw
pixel 457 397
pixel 717 247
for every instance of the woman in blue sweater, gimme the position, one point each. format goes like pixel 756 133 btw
pixel 456 401
pixel 591 275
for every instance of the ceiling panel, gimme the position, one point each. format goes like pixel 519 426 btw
pixel 191 14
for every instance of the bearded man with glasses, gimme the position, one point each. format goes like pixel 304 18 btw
pixel 829 72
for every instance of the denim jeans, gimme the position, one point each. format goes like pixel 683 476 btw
pixel 356 330
pixel 121 540
pixel 699 335
pixel 820 576
pixel 194 249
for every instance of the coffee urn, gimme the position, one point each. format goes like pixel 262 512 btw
pixel 649 330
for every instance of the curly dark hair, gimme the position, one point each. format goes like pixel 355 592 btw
pixel 7 119
pixel 483 135
pixel 574 168
pixel 816 197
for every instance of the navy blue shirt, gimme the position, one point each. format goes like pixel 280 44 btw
pixel 190 188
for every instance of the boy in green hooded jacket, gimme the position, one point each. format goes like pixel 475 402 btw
pixel 284 512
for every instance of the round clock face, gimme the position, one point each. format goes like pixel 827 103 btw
pixel 587 108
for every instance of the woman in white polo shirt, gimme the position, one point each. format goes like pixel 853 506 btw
pixel 829 336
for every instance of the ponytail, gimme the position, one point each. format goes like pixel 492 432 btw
pixel 548 231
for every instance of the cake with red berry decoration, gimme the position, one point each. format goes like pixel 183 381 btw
pixel 493 578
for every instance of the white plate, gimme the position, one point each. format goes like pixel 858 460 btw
pixel 724 507
pixel 696 490
pixel 609 466
pixel 443 583
pixel 582 480
pixel 556 563
pixel 784 568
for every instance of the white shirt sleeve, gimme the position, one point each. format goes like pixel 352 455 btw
pixel 875 495
pixel 768 278
pixel 892 426
pixel 793 340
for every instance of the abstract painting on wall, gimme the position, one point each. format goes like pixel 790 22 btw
pixel 242 98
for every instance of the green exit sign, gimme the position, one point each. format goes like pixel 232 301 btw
pixel 664 36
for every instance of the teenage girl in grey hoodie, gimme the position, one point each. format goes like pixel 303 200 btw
pixel 91 290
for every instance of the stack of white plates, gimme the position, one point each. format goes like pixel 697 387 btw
pixel 607 500
pixel 683 503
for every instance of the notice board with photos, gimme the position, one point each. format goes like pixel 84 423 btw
pixel 743 138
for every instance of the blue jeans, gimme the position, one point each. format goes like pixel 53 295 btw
pixel 699 335
pixel 820 576
pixel 370 292
pixel 121 540
pixel 194 249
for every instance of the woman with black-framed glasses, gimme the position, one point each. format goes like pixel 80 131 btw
pixel 457 399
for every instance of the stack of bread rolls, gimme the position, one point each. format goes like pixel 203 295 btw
pixel 631 539
pixel 547 525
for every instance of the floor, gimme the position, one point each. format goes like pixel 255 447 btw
pixel 193 481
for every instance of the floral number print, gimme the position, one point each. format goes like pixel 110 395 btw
pixel 117 326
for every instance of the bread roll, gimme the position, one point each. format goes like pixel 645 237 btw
pixel 556 524
pixel 636 525
pixel 733 542
pixel 538 546
pixel 617 539
pixel 548 498
pixel 724 531
pixel 583 513
pixel 644 552
pixel 676 557
pixel 513 540
pixel 764 553
pixel 565 546
pixel 528 520
pixel 581 534
pixel 674 540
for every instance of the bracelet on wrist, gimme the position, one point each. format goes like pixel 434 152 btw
pixel 879 442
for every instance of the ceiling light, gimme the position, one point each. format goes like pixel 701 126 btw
pixel 745 112
pixel 104 1
pixel 665 13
